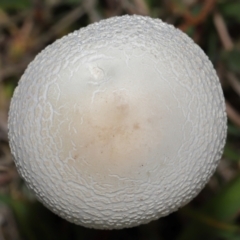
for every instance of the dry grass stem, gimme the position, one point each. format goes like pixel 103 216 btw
pixel 233 115
pixel 222 31
pixel 141 7
pixel 65 22
pixel 234 82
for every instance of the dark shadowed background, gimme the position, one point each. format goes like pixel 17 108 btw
pixel 27 26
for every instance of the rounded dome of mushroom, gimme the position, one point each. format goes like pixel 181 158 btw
pixel 119 123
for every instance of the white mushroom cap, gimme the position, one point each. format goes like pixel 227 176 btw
pixel 119 123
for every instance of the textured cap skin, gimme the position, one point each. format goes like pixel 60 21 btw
pixel 119 123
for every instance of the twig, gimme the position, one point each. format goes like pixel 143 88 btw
pixel 90 7
pixel 207 8
pixel 21 39
pixel 10 21
pixel 234 82
pixel 134 8
pixel 233 115
pixel 222 31
pixel 66 21
pixel 228 45
pixel 189 19
pixel 14 69
pixel 142 7
pixel 112 8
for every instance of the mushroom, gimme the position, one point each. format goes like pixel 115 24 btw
pixel 119 123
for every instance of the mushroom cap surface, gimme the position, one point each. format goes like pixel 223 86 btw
pixel 119 123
